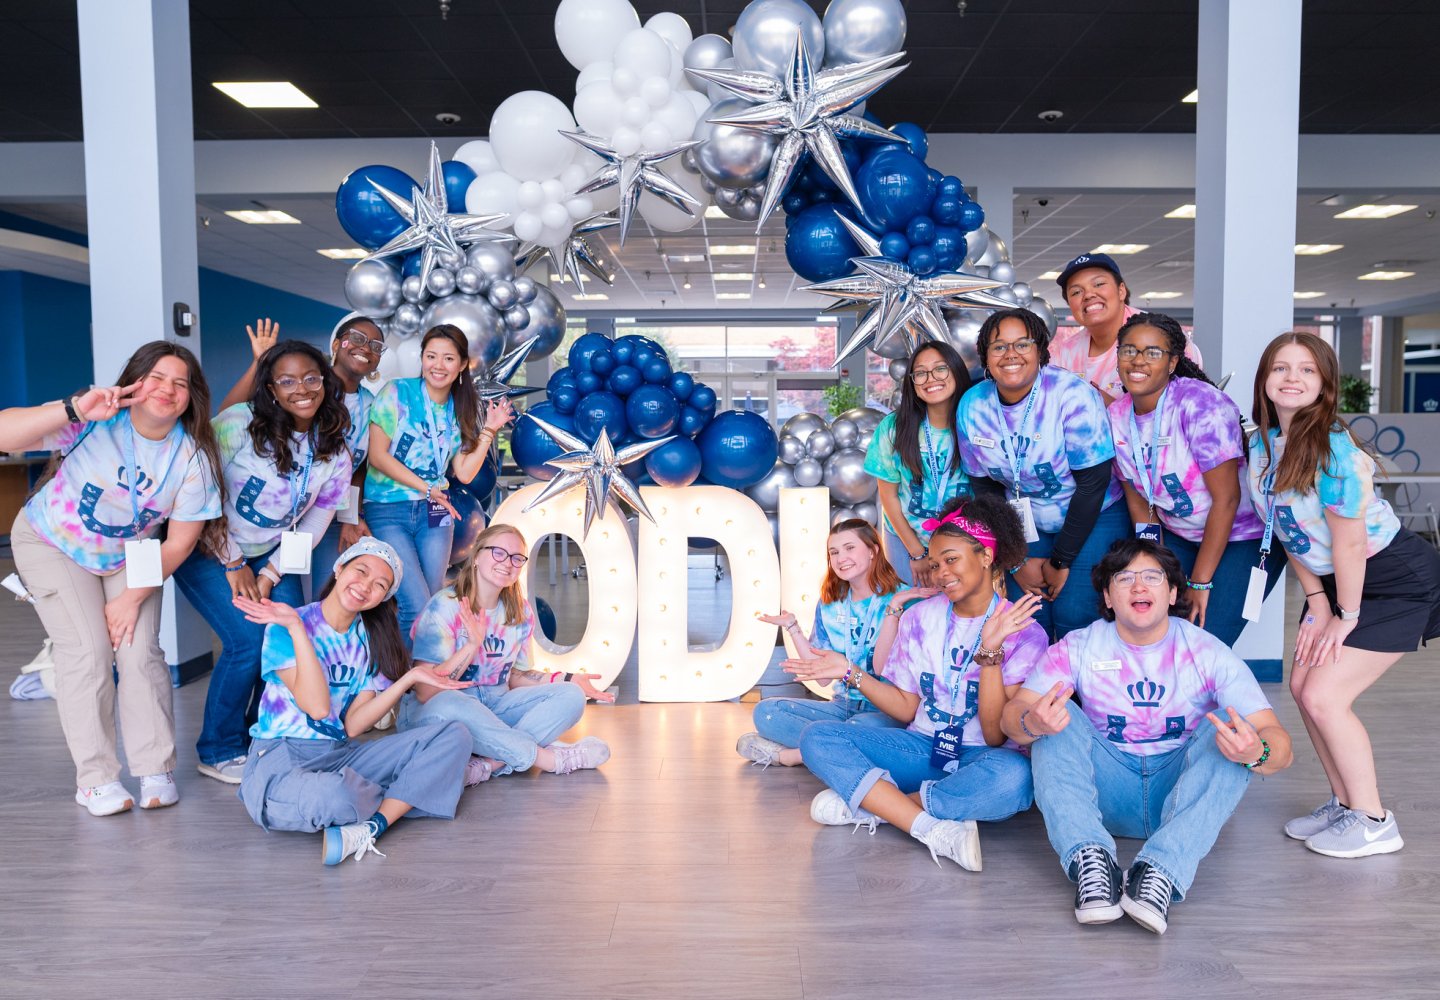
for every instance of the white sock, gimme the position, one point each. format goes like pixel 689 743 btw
pixel 924 823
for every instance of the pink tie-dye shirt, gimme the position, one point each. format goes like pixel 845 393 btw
pixel 1070 349
pixel 440 631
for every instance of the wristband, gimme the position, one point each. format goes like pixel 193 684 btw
pixel 70 412
pixel 1318 593
pixel 916 558
pixel 269 572
pixel 1026 729
pixel 1263 757
pixel 236 568
pixel 1200 586
pixel 996 656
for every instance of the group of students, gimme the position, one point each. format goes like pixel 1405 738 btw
pixel 242 511
pixel 1072 557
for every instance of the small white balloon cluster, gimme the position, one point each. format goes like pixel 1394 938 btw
pixel 813 452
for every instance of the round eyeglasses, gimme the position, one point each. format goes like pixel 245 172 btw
pixel 500 555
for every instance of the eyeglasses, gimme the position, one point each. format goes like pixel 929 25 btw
pixel 1021 347
pixel 309 381
pixel 1129 352
pixel 357 339
pixel 500 555
pixel 922 375
pixel 1149 577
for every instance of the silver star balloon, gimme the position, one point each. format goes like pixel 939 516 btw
pixel 433 228
pixel 807 110
pixel 569 257
pixel 597 469
pixel 633 175
pixel 493 383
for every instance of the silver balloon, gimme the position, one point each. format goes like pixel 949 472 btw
pixel 964 327
pixel 1002 271
pixel 547 325
pixel 868 512
pixel 713 90
pixel 766 492
pixel 407 319
pixel 976 243
pixel 1023 293
pixel 774 521
pixel 524 289
pixel 897 369
pixel 412 289
pixel 502 294
pixel 1042 309
pixel 847 434
pixel 1008 294
pixel 856 30
pixel 820 445
pixel 747 209
pixel 865 418
pixel 996 252
pixel 483 327
pixel 707 185
pixel 730 156
pixel 492 260
pixel 450 260
pixel 687 161
pixel 706 52
pixel 728 197
pixel 802 425
pixel 791 449
pixel 764 34
pixel 808 472
pixel 840 514
pixel 373 288
pixel 893 348
pixel 517 318
pixel 467 280
pixel 846 476
pixel 442 282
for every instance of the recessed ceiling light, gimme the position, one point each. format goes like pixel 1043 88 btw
pixel 590 297
pixel 1121 248
pixel 685 258
pixel 264 217
pixel 734 276
pixel 1374 211
pixel 1160 295
pixel 344 253
pixel 1316 249
pixel 732 295
pixel 1387 275
pixel 274 94
pixel 731 249
pixel 1191 98
pixel 1049 276
pixel 1183 212
pixel 1308 295
pixel 827 319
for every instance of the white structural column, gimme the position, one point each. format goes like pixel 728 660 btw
pixel 995 192
pixel 140 207
pixel 1246 168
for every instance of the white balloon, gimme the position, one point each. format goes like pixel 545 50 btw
pixel 554 190
pixel 597 109
pixel 579 207
pixel 636 112
pixel 528 226
pixel 588 30
pixel 678 116
pixel 554 236
pixel 597 72
pixel 554 216
pixel 625 141
pixel 625 80
pixel 644 53
pixel 655 136
pixel 530 195
pixel 671 27
pixel 656 91
pixel 524 132
pixel 666 217
pixel 407 358
pixel 492 193
pixel 574 175
pixel 478 156
pixel 699 102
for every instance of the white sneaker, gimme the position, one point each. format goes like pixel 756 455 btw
pixel 105 800
pixel 229 771
pixel 387 721
pixel 589 752
pixel 158 791
pixel 830 809
pixel 477 770
pixel 958 840
pixel 340 842
pixel 758 750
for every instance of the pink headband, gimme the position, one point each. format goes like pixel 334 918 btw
pixel 974 529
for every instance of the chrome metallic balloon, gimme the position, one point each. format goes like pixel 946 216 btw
pixel 517 318
pixel 634 174
pixel 820 444
pixel 491 260
pixel 847 434
pixel 766 492
pixel 1023 293
pixel 765 34
pixel 1002 271
pixel 747 209
pixel 808 472
pixel 963 326
pixel 802 425
pixel 713 90
pixel 898 367
pixel 791 449
pixel 857 30
pixel 706 52
pixel 373 288
pixel 995 252
pixel 502 294
pixel 483 327
pixel 441 282
pixel 868 511
pixel 841 514
pixel 412 289
pixel 407 319
pixel 731 156
pixel 525 289
pixel 547 324
pixel 866 419
pixel 1008 294
pixel 449 260
pixel 728 197
pixel 467 280
pixel 847 479
pixel 1042 309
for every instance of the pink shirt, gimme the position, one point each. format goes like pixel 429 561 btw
pixel 1071 350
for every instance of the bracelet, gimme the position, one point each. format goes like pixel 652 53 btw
pixel 916 558
pixel 269 573
pixel 1318 593
pixel 852 676
pixel 1026 729
pixel 1263 757
pixel 1200 586
pixel 554 677
pixel 70 412
pixel 897 612
pixel 427 492
pixel 1017 567
pixel 234 569
pixel 990 657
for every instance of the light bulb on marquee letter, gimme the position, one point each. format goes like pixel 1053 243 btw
pixel 804 530
pixel 610 557
pixel 669 669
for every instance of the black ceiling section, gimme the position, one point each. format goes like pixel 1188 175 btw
pixel 388 67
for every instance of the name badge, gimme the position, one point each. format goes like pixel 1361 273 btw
pixel 945 749
pixel 1021 507
pixel 295 549
pixel 1101 666
pixel 980 442
pixel 843 619
pixel 1163 440
pixel 439 516
pixel 1254 595
pixel 1147 532
pixel 142 563
pixel 350 513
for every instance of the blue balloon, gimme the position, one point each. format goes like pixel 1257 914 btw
pixel 894 187
pixel 565 398
pixel 737 449
pixel 675 463
pixel 652 411
pixel 531 447
pixel 951 185
pixel 642 357
pixel 702 397
pixel 602 362
pixel 585 346
pixel 947 209
pixel 638 343
pixel 545 618
pixel 588 382
pixel 949 247
pixel 656 371
pixel 457 181
pixel 914 137
pixel 411 264
pixel 972 216
pixel 692 421
pixel 600 410
pixel 921 260
pixel 483 485
pixel 895 246
pixel 563 376
pixel 363 213
pixel 624 380
pixel 920 231
pixel 817 246
pixel 468 525
pixel 680 384
pixel 794 203
pixel 623 351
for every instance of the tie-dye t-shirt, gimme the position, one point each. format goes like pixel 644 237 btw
pixel 424 435
pixel 931 641
pixel 259 502
pixel 1149 699
pixel 346 659
pixel 358 404
pixel 850 627
pixel 1199 430
pixel 924 500
pixel 1071 350
pixel 1068 429
pixel 1346 487
pixel 440 631
pixel 85 509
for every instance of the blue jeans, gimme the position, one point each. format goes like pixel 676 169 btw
pixel 506 724
pixel 1231 578
pixel 424 553
pixel 1078 605
pixel 990 783
pixel 231 700
pixel 1176 801
pixel 784 719
pixel 898 555
pixel 322 561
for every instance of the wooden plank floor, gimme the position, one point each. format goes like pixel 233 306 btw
pixel 677 870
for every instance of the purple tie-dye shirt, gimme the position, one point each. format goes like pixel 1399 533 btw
pixel 1199 430
pixel 440 631
pixel 1149 699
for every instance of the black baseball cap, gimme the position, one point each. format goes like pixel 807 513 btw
pixel 1101 260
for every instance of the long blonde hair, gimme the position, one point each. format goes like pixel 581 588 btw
pixel 510 596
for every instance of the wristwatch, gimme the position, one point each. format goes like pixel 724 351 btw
pixel 70 412
pixel 1057 564
pixel 1347 616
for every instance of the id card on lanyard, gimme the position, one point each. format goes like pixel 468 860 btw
pixel 143 566
pixel 945 746
pixel 1020 503
pixel 1255 591
pixel 1146 472
pixel 296 546
pixel 936 466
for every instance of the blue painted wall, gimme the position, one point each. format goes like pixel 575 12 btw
pixel 46 325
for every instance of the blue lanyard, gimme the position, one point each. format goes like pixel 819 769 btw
pixel 1267 483
pixel 133 465
pixel 1145 472
pixel 936 464
pixel 1020 434
pixel 297 496
pixel 438 452
pixel 957 672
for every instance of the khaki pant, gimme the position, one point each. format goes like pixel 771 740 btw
pixel 71 602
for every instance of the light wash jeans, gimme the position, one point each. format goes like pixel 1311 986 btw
pixel 1078 605
pixel 898 555
pixel 424 553
pixel 1176 802
pixel 1231 579
pixel 506 724
pixel 322 561
pixel 990 783
pixel 784 719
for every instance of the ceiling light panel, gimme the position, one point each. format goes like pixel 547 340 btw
pixel 1375 211
pixel 271 94
pixel 264 217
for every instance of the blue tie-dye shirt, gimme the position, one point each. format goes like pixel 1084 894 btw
pixel 850 628
pixel 424 436
pixel 440 631
pixel 921 500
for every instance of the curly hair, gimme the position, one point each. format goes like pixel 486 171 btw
pixel 1174 335
pixel 271 427
pixel 1126 551
pixel 996 514
pixel 1035 329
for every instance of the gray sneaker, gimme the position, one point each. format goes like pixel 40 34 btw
pixel 1356 835
pixel 589 752
pixel 1323 818
pixel 229 771
pixel 757 749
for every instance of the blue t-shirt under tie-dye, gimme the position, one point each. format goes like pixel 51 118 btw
pixel 1067 429
pixel 850 627
pixel 1149 699
pixel 346 659
pixel 940 482
pixel 440 631
pixel 424 436
pixel 1346 487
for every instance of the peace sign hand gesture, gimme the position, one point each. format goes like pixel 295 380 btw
pixel 103 402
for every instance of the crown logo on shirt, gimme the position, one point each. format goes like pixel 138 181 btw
pixel 1145 693
pixel 493 645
